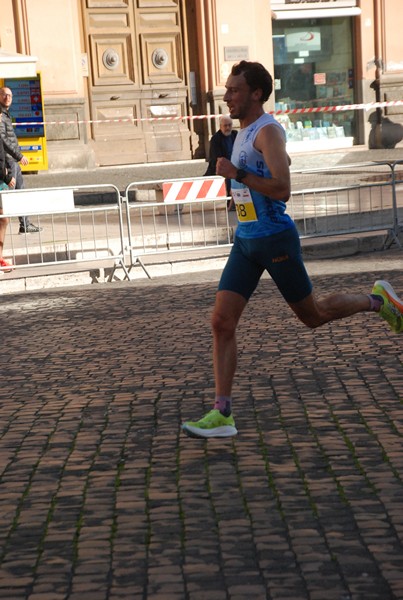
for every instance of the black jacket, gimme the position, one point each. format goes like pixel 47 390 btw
pixel 9 137
pixel 4 173
pixel 218 148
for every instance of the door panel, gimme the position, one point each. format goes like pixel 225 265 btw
pixel 165 139
pixel 118 137
pixel 112 62
pixel 117 118
pixel 157 3
pixel 162 59
pixel 107 3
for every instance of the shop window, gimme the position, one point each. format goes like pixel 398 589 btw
pixel 313 66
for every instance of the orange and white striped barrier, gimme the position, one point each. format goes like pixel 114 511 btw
pixel 194 189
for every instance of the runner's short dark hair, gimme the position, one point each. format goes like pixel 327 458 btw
pixel 256 76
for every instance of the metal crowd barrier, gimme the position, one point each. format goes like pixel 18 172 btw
pixel 80 236
pixel 159 227
pixel 349 199
pixel 360 198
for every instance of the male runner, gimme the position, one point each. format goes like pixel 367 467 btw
pixel 266 239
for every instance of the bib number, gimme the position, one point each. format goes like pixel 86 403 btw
pixel 245 208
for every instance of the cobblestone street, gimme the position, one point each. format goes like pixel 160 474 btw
pixel 103 497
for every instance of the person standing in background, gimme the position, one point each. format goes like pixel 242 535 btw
pixel 6 182
pixel 221 144
pixel 13 153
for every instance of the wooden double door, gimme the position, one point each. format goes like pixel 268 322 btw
pixel 138 70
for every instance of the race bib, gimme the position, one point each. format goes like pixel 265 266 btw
pixel 245 208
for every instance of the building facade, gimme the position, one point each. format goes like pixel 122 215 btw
pixel 130 81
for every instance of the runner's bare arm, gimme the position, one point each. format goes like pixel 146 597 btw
pixel 271 143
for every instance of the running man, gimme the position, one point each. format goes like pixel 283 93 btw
pixel 266 239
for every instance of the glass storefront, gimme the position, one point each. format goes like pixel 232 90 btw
pixel 313 67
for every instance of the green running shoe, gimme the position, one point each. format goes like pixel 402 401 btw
pixel 213 424
pixel 392 307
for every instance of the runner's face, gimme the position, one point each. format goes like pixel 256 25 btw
pixel 238 96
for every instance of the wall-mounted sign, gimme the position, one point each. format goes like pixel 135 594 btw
pixel 235 53
pixel 280 4
pixel 84 64
pixel 314 9
pixel 302 40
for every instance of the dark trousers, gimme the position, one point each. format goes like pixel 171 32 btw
pixel 19 185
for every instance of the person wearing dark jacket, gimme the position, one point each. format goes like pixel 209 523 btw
pixel 221 144
pixel 7 181
pixel 13 153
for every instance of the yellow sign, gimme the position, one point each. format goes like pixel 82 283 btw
pixel 28 117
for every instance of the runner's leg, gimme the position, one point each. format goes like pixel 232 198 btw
pixel 227 312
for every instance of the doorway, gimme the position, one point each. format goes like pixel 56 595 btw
pixel 137 72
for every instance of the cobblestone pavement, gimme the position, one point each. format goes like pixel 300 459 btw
pixel 103 497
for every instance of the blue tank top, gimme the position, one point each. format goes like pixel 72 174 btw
pixel 271 215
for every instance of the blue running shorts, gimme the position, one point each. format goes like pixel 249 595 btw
pixel 278 254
